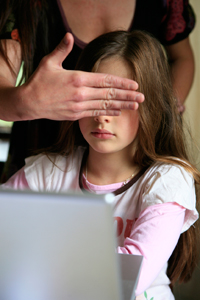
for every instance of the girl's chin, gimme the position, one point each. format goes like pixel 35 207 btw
pixel 104 150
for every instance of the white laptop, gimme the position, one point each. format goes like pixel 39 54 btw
pixel 62 247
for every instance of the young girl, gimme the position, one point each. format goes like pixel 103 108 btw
pixel 139 156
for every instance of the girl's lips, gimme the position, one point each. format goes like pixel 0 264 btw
pixel 102 134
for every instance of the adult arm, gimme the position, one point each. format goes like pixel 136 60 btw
pixel 58 94
pixel 182 70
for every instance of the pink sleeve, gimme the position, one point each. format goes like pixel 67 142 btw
pixel 154 235
pixel 17 181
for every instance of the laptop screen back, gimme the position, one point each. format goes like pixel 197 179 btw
pixel 60 247
pixel 57 247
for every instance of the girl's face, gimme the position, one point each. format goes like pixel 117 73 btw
pixel 108 134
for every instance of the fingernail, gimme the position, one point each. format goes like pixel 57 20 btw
pixel 139 98
pixel 133 86
pixel 65 40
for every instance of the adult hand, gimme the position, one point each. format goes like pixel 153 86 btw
pixel 59 94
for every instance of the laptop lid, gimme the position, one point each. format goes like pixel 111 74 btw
pixel 58 247
pixel 130 267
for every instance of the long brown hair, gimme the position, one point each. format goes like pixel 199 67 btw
pixel 30 17
pixel 160 134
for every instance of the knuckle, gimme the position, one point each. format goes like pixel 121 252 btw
pixel 45 61
pixel 77 79
pixel 111 94
pixel 61 47
pixel 129 96
pixel 95 113
pixel 106 104
pixel 79 95
pixel 76 108
pixel 107 81
pixel 126 105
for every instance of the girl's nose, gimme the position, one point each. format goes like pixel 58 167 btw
pixel 102 119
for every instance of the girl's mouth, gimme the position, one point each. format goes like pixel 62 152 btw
pixel 102 134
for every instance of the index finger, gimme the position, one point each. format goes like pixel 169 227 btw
pixel 101 80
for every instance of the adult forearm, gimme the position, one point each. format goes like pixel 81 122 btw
pixel 182 70
pixel 182 77
pixel 11 103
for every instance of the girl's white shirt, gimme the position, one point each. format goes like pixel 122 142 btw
pixel 159 184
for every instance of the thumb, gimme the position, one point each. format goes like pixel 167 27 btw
pixel 59 54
